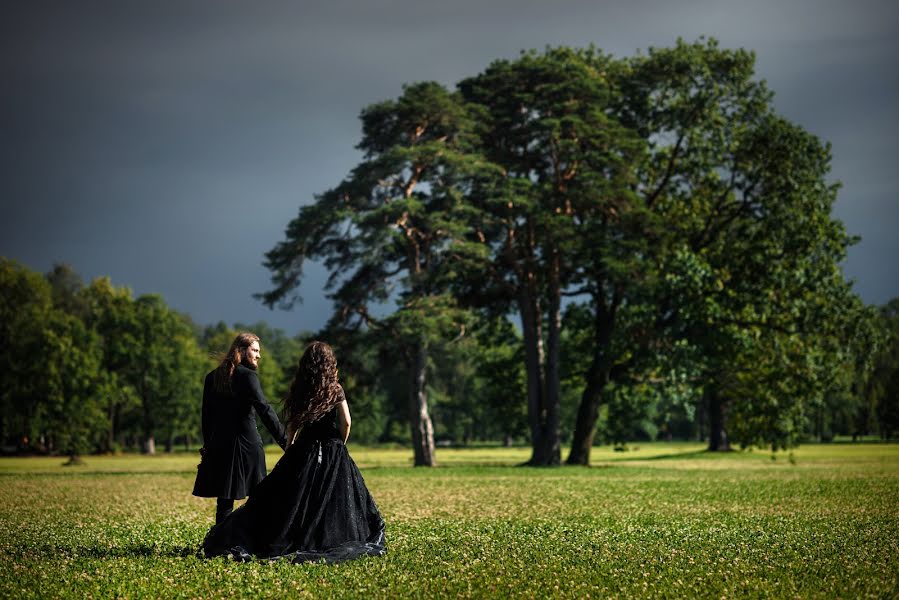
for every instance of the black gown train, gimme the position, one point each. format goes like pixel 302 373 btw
pixel 313 505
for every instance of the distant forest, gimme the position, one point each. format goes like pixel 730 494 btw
pixel 88 368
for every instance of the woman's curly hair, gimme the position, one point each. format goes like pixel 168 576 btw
pixel 314 390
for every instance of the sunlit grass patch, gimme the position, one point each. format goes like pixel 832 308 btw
pixel 659 520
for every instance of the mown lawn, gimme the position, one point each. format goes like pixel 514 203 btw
pixel 661 520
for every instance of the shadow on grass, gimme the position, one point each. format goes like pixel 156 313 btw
pixel 671 456
pixel 73 474
pixel 141 551
pixel 441 466
pixel 604 463
pixel 136 551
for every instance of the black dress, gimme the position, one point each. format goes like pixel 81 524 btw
pixel 313 505
pixel 235 460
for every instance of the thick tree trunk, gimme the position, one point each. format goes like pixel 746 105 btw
pixel 585 425
pixel 551 452
pixel 419 419
pixel 532 337
pixel 717 421
pixel 597 378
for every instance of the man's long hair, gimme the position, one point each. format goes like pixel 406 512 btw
pixel 314 390
pixel 225 370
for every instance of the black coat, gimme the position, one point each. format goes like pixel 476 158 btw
pixel 234 460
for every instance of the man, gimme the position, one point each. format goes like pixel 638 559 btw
pixel 233 460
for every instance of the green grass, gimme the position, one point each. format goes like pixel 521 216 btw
pixel 660 520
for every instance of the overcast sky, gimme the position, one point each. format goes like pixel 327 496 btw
pixel 167 144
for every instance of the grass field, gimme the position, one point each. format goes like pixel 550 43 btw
pixel 661 520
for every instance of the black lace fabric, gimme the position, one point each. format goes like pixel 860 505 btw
pixel 313 506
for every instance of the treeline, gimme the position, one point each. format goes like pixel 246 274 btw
pixel 664 238
pixel 90 368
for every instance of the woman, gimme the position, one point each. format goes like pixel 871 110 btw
pixel 314 504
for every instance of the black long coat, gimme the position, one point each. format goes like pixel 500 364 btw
pixel 234 461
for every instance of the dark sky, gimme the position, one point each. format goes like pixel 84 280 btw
pixel 167 144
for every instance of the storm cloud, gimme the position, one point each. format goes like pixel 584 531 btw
pixel 168 144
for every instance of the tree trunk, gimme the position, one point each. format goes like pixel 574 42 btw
pixel 819 424
pixel 702 411
pixel 585 425
pixel 717 421
pixel 598 376
pixel 551 452
pixel 149 445
pixel 74 461
pixel 419 419
pixel 532 337
pixel 110 432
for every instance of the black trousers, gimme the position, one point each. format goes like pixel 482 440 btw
pixel 223 508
